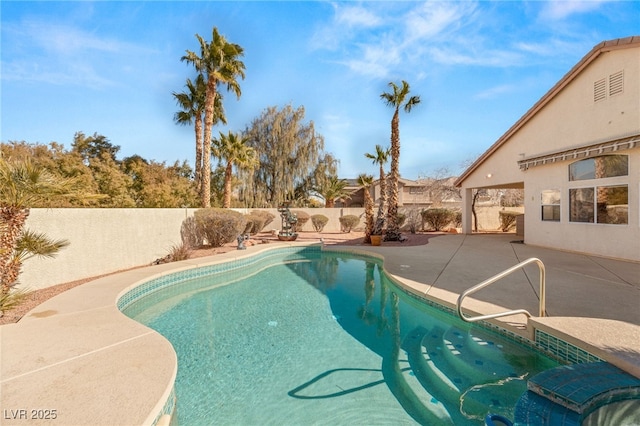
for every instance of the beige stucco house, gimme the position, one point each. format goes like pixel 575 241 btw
pixel 576 153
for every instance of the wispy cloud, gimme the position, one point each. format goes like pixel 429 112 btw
pixel 61 54
pixel 495 91
pixel 561 9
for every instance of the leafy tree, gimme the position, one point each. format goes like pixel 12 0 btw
pixel 234 151
pixel 21 185
pixel 92 147
pixel 397 98
pixel 218 63
pixel 365 181
pixel 290 153
pixel 380 157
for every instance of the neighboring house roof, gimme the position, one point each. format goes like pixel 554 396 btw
pixel 605 46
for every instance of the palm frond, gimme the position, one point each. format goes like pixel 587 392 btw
pixel 33 244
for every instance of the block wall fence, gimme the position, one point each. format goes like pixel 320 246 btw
pixel 103 241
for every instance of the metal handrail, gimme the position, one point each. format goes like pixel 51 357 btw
pixel 485 283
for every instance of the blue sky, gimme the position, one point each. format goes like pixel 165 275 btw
pixel 478 66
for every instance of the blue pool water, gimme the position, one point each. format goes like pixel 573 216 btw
pixel 326 338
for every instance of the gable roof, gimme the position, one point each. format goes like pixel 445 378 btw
pixel 603 47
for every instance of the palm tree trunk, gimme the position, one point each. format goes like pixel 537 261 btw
pixel 393 232
pixel 227 185
pixel 14 219
pixel 368 211
pixel 199 147
pixel 206 141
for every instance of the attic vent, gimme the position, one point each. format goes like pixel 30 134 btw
pixel 599 90
pixel 616 83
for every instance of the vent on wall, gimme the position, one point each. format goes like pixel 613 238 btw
pixel 599 90
pixel 616 83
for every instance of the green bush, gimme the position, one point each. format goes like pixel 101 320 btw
pixel 303 218
pixel 348 222
pixel 319 221
pixel 507 219
pixel 219 226
pixel 438 218
pixel 265 215
pixel 457 221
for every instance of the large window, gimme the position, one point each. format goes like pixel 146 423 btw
pixel 550 201
pixel 602 204
pixel 605 166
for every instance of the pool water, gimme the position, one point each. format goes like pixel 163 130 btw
pixel 326 338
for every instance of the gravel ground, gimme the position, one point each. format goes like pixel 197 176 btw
pixel 36 297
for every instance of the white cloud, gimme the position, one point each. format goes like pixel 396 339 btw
pixel 560 9
pixel 495 91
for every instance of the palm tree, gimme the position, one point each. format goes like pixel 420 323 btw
pixel 397 98
pixel 234 151
pixel 333 189
pixel 21 185
pixel 365 181
pixel 219 64
pixel 380 157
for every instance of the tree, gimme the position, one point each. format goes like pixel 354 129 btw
pixel 290 153
pixel 333 189
pixel 233 150
pixel 218 63
pixel 397 98
pixel 380 157
pixel 21 185
pixel 365 181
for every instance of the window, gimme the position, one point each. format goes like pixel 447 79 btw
pixel 581 205
pixel 550 200
pixel 602 204
pixel 604 166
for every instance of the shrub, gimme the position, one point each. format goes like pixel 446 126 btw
pixel 507 219
pixel 219 226
pixel 255 223
pixel 265 215
pixel 180 252
pixel 303 218
pixel 348 222
pixel 189 233
pixel 457 221
pixel 319 221
pixel 438 218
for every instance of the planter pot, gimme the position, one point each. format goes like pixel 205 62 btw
pixel 376 240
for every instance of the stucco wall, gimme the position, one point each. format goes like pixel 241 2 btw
pixel 109 240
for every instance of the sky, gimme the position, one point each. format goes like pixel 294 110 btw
pixel 110 67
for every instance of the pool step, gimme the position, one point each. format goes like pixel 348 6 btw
pixel 573 392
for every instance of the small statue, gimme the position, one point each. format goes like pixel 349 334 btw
pixel 241 239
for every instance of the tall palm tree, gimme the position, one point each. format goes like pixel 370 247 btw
pixel 365 181
pixel 192 103
pixel 219 63
pixel 21 185
pixel 380 157
pixel 234 151
pixel 397 98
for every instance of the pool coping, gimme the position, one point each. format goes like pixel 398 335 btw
pixel 79 355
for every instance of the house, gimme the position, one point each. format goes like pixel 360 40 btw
pixel 576 154
pixel 411 193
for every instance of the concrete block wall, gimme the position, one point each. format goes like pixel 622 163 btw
pixel 109 240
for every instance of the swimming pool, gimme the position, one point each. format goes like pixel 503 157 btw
pixel 310 336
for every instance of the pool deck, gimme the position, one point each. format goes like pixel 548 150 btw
pixel 76 357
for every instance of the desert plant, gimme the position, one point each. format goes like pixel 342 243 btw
pixel 180 252
pixel 319 221
pixel 438 218
pixel 507 219
pixel 219 226
pixel 189 233
pixel 268 217
pixel 414 220
pixel 348 222
pixel 303 218
pixel 457 221
pixel 255 223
